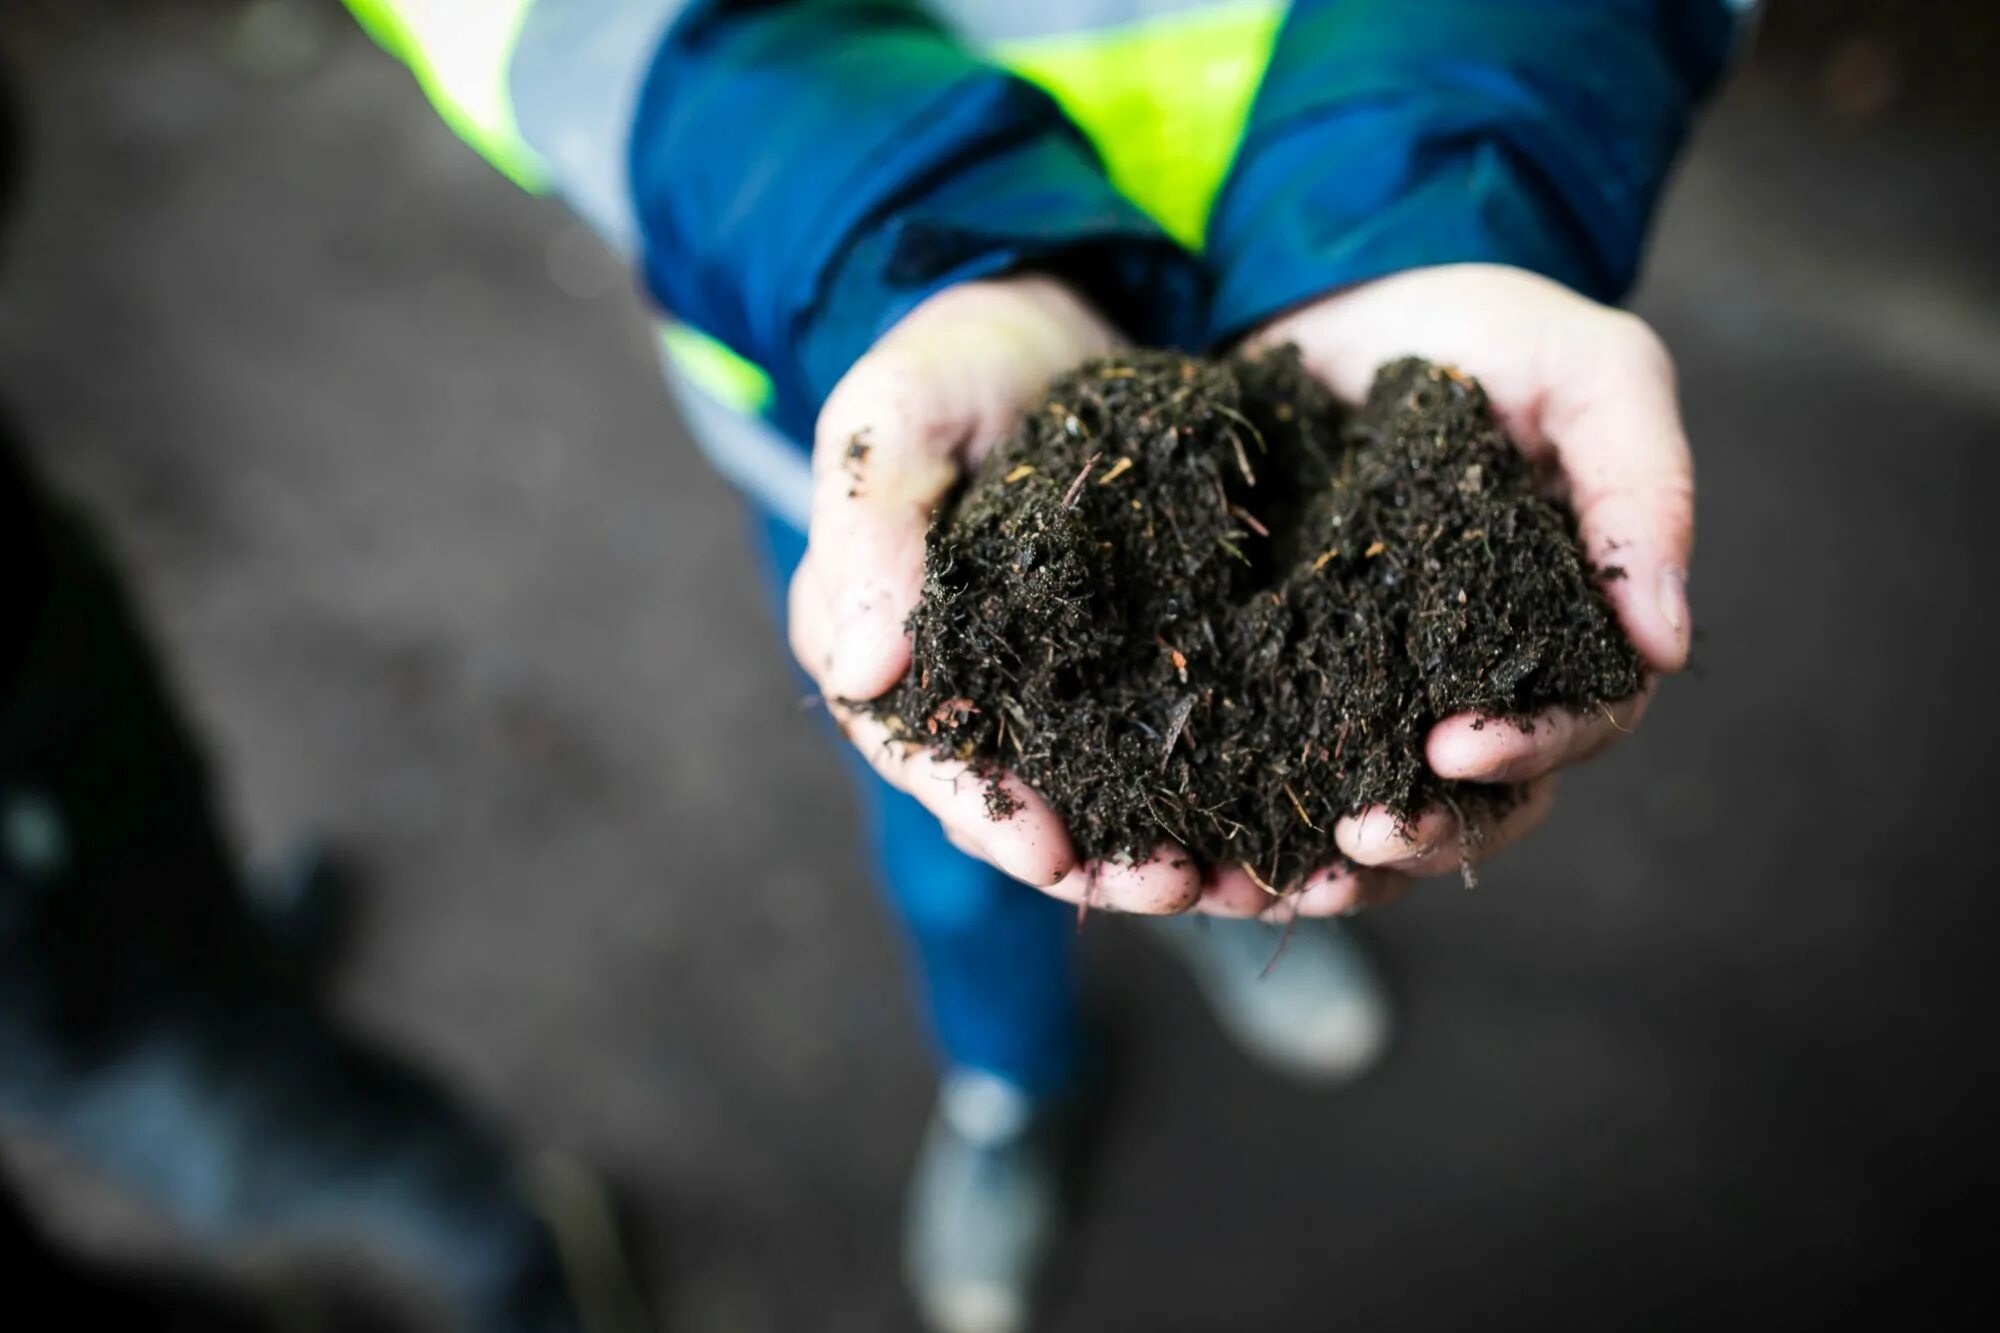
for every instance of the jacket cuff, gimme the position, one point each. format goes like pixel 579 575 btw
pixel 1322 224
pixel 1039 203
pixel 805 174
pixel 1394 134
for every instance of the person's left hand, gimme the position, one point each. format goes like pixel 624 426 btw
pixel 928 400
pixel 1593 388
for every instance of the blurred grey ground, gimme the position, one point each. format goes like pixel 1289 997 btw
pixel 384 445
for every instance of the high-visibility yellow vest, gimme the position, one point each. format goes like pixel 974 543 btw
pixel 1162 89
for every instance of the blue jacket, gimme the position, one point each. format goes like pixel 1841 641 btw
pixel 792 177
pixel 805 173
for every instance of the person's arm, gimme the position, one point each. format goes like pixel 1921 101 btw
pixel 1467 180
pixel 791 178
pixel 1398 134
pixel 908 242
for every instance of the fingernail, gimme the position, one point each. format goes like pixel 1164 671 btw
pixel 1674 605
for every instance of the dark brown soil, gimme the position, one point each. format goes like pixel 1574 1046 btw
pixel 1197 600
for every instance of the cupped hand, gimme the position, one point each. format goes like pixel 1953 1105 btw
pixel 1587 386
pixel 925 403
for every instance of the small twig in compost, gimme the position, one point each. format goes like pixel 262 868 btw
pixel 1174 730
pixel 1076 487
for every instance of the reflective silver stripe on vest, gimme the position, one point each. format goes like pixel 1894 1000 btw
pixel 575 81
pixel 579 65
pixel 981 22
pixel 748 451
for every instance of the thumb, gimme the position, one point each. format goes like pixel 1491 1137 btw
pixel 881 464
pixel 1631 475
pixel 933 394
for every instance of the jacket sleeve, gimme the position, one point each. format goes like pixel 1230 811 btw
pixel 791 178
pixel 806 173
pixel 1393 134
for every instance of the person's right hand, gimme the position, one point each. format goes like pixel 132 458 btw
pixel 927 401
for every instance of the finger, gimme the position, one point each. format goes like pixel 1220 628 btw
pixel 1376 837
pixel 1334 890
pixel 960 839
pixel 881 463
pixel 1357 890
pixel 809 623
pixel 1492 836
pixel 1434 843
pixel 1472 748
pixel 1616 425
pixel 1166 883
pixel 1342 890
pixel 934 392
pixel 1029 843
pixel 1232 893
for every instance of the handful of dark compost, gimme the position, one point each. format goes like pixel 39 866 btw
pixel 1201 601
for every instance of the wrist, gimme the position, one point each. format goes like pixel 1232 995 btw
pixel 1038 220
pixel 887 164
pixel 1394 134
pixel 1322 242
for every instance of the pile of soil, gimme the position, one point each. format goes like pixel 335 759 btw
pixel 1198 600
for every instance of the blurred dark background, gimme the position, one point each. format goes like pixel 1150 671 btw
pixel 384 445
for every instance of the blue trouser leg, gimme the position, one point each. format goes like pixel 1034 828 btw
pixel 994 957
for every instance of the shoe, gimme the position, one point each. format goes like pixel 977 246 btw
pixel 1311 1006
pixel 602 1289
pixel 985 1205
